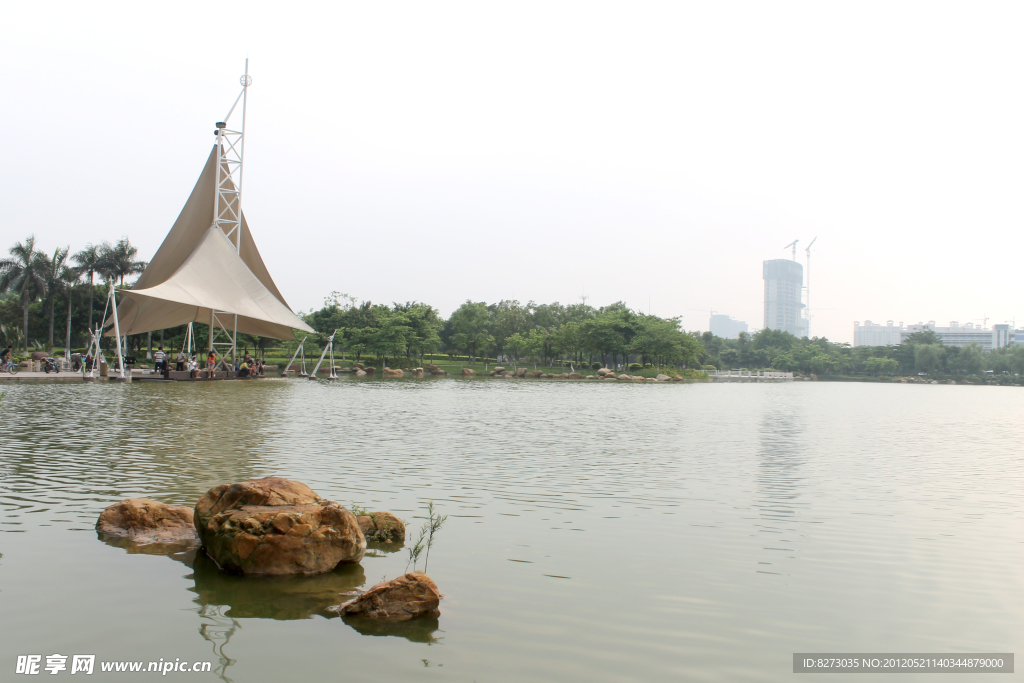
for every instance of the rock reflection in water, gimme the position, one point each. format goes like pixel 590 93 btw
pixel 417 630
pixel 273 597
pixel 380 548
pixel 181 551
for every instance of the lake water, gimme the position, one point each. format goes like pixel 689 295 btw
pixel 596 531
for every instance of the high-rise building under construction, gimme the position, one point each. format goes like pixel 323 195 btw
pixel 783 304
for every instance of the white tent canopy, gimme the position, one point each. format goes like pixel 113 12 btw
pixel 197 270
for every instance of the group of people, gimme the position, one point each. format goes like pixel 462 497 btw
pixel 249 367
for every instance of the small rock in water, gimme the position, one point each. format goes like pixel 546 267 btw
pixel 381 526
pixel 400 599
pixel 146 521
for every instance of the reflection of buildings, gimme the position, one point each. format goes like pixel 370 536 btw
pixel 725 327
pixel 780 480
pixel 783 305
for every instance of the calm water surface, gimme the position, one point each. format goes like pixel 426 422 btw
pixel 596 532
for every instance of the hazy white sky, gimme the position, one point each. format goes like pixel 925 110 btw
pixel 654 153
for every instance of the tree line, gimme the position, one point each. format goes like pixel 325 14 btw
pixel 507 331
pixel 34 285
pixel 29 276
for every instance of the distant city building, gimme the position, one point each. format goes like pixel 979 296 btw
pixel 874 334
pixel 725 327
pixel 783 304
pixel 1017 337
pixel 962 335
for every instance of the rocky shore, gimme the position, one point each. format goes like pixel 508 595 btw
pixel 501 372
pixel 277 527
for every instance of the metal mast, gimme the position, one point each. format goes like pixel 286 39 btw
pixel 227 207
pixel 808 250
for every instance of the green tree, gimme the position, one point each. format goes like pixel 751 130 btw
pixel 970 360
pixel 515 345
pixel 928 357
pixel 471 329
pixel 23 272
pixel 392 336
pixel 535 345
pixel 57 278
pixel 88 262
pixel 118 261
pixel 424 328
pixel 507 318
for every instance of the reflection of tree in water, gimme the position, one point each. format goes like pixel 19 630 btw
pixel 780 459
pixel 218 631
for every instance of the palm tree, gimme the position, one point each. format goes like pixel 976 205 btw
pixel 88 262
pixel 54 281
pixel 119 260
pixel 22 273
pixel 69 276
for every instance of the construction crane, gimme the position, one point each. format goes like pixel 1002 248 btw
pixel 792 244
pixel 808 250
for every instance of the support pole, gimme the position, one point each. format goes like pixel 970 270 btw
pixel 284 373
pixel 117 336
pixel 330 345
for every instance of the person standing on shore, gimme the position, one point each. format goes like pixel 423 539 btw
pixel 179 364
pixel 160 360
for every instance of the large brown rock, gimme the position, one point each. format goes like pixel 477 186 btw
pixel 400 599
pixel 381 526
pixel 360 373
pixel 575 375
pixel 388 372
pixel 276 526
pixel 146 521
pixel 417 372
pixel 371 371
pixel 521 372
pixel 468 372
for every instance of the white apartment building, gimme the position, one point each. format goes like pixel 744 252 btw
pixel 874 334
pixel 890 334
pixel 962 335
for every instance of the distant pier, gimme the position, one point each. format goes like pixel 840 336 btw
pixel 749 376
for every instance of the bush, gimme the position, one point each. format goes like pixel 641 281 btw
pixel 596 366
pixel 710 367
pixel 635 366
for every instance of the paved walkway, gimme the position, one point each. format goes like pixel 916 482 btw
pixel 25 374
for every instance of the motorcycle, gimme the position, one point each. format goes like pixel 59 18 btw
pixel 51 365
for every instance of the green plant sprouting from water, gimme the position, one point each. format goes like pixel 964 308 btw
pixel 425 539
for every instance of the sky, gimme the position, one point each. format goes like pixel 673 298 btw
pixel 654 153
